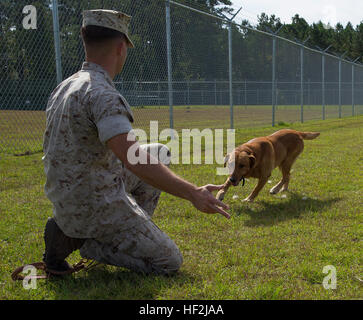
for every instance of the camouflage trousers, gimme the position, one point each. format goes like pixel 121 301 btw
pixel 143 248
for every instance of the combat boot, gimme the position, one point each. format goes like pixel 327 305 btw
pixel 58 247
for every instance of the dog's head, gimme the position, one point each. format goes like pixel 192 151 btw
pixel 239 164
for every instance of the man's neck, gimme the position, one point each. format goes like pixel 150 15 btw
pixel 107 66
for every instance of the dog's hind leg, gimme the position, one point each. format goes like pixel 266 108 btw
pixel 275 189
pixel 284 182
pixel 285 170
pixel 286 177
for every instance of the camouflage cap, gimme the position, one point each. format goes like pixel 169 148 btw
pixel 108 19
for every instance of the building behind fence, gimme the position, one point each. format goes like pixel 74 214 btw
pixel 187 66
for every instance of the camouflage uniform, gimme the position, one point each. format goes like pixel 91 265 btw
pixel 93 195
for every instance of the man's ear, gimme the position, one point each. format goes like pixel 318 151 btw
pixel 252 161
pixel 119 47
pixel 226 158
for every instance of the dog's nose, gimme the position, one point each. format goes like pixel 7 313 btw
pixel 233 180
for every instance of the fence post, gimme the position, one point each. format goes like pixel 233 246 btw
pixel 159 92
pixel 215 92
pixel 273 79
pixel 302 79
pixel 168 49
pixel 230 21
pixel 188 91
pixel 323 76
pixel 230 73
pixel 340 88
pixel 340 84
pixel 353 85
pixel 309 92
pixel 323 82
pixel 302 84
pixel 274 98
pixel 352 90
pixel 58 61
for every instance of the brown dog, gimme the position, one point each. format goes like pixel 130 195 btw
pixel 258 157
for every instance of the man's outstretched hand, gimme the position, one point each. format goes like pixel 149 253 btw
pixel 204 200
pixel 161 177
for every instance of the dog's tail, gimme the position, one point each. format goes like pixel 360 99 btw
pixel 309 135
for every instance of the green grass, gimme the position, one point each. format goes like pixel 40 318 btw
pixel 275 248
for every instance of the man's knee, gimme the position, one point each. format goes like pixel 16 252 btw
pixel 170 264
pixel 159 151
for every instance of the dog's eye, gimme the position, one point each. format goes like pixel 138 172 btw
pixel 241 166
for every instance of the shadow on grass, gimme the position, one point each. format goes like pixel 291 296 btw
pixel 265 213
pixel 105 282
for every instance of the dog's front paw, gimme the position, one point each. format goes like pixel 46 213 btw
pixel 220 195
pixel 248 199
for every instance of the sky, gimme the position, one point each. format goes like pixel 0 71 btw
pixel 328 11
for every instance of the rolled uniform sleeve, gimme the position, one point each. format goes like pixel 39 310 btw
pixel 112 115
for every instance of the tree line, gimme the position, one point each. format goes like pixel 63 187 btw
pixel 348 39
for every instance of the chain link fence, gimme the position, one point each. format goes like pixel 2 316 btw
pixel 190 69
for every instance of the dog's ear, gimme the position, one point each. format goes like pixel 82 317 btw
pixel 226 158
pixel 252 160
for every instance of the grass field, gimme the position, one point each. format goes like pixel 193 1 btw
pixel 275 248
pixel 22 131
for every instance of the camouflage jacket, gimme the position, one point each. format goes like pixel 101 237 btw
pixel 84 177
